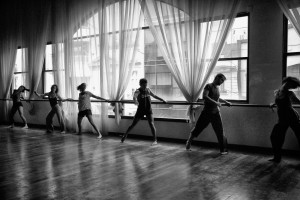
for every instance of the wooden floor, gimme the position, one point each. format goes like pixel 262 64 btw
pixel 35 165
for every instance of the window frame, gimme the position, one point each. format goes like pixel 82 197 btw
pixel 44 71
pixel 246 101
pixel 18 72
pixel 240 14
pixel 286 54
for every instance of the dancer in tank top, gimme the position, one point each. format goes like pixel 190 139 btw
pixel 287 115
pixel 18 106
pixel 53 98
pixel 85 108
pixel 142 97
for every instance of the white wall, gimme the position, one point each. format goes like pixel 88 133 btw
pixel 243 125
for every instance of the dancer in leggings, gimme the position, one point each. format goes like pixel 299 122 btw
pixel 143 100
pixel 18 106
pixel 84 107
pixel 287 115
pixel 211 114
pixel 55 109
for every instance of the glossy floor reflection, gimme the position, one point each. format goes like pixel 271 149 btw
pixel 35 165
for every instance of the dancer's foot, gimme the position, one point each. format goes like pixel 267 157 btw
pixel 25 127
pixel 63 132
pixel 188 145
pixel 154 143
pixel 100 136
pixel 123 138
pixel 224 152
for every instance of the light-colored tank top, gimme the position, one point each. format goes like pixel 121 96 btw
pixel 84 102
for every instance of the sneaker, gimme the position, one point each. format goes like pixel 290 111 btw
pixel 63 132
pixel 188 145
pixel 224 152
pixel 154 143
pixel 25 127
pixel 100 136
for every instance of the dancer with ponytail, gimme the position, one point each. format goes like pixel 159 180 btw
pixel 85 108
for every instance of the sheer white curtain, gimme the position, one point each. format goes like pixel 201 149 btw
pixel 190 35
pixel 8 51
pixel 76 57
pixel 120 24
pixel 95 43
pixel 291 9
pixel 35 27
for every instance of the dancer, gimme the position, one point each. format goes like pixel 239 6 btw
pixel 143 100
pixel 55 109
pixel 287 115
pixel 84 107
pixel 18 106
pixel 211 114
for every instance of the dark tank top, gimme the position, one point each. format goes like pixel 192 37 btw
pixel 16 96
pixel 286 112
pixel 284 101
pixel 213 93
pixel 53 101
pixel 144 99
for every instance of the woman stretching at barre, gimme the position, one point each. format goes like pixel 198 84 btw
pixel 142 98
pixel 84 107
pixel 55 109
pixel 287 115
pixel 18 106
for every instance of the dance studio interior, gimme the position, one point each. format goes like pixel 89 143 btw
pixel 150 99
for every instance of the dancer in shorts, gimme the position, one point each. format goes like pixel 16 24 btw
pixel 18 106
pixel 143 100
pixel 85 108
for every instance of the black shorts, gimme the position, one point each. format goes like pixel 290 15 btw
pixel 85 113
pixel 17 104
pixel 140 113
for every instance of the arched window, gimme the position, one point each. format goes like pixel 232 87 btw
pixel 150 64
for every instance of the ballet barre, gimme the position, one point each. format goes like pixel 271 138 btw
pixel 157 102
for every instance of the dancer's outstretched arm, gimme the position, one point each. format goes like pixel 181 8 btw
pixel 156 97
pixel 97 97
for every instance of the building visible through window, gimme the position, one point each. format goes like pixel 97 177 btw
pixel 293 54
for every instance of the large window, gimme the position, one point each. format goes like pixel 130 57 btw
pixel 233 63
pixel 54 67
pixel 293 53
pixel 150 64
pixel 20 73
